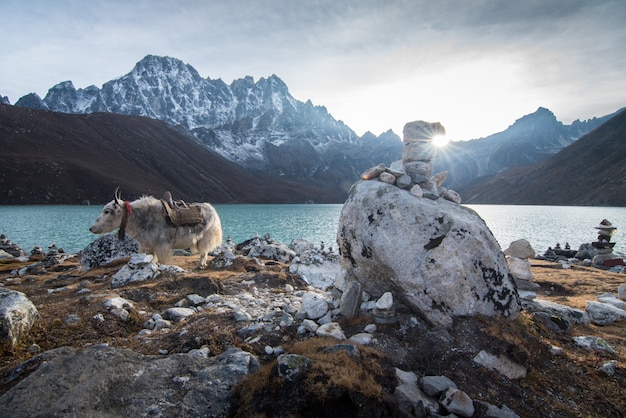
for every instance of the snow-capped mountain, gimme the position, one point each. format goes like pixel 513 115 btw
pixel 259 125
pixel 246 121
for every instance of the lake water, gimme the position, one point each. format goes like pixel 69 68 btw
pixel 542 226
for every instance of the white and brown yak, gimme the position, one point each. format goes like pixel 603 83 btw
pixel 162 225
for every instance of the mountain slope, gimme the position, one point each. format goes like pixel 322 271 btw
pixel 244 122
pixel 531 139
pixel 591 171
pixel 51 157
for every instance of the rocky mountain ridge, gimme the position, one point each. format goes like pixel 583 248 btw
pixel 245 122
pixel 589 172
pixel 260 126
pixel 531 139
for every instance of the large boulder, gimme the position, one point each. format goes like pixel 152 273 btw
pixel 436 256
pixel 105 381
pixel 17 316
pixel 106 249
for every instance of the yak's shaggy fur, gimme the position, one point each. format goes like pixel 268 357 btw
pixel 146 223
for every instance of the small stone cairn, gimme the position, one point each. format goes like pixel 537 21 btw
pixel 517 256
pixel 414 171
pixel 604 246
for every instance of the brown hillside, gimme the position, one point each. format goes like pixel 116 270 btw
pixel 57 158
pixel 590 172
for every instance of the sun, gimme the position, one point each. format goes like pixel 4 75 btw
pixel 440 141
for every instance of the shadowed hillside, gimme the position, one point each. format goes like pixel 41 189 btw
pixel 57 158
pixel 590 172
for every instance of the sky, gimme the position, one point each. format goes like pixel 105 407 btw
pixel 474 66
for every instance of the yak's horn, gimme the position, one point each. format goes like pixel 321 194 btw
pixel 118 197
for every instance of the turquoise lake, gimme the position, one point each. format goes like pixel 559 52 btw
pixel 542 226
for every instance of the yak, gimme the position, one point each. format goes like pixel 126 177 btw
pixel 146 220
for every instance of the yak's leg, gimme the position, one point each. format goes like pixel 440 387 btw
pixel 163 253
pixel 202 261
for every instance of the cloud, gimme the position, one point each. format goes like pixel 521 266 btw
pixel 373 64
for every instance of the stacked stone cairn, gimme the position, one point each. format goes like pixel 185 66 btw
pixel 604 246
pixel 414 171
pixel 517 256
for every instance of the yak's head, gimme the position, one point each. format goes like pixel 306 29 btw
pixel 111 216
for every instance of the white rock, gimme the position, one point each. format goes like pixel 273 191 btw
pixel 364 338
pixel 117 303
pixel 440 258
pixel 314 305
pixel 310 325
pixel 371 328
pixel 140 259
pixel 322 276
pixel 385 302
pixel 503 365
pixel 17 316
pixel 604 313
pixel 332 329
pixel 406 377
pixel 520 268
pixel 417 191
pixel 593 343
pixel 176 314
pixel 122 314
pixel 520 249
pixel 457 402
pixel 387 178
pixel 611 299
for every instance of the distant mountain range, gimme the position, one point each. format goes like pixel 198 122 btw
pixel 261 130
pixel 55 158
pixel 258 125
pixel 531 139
pixel 589 172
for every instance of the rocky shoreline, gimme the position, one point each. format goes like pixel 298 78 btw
pixel 274 330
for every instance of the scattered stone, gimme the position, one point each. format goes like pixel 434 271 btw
pixel 556 316
pixel 385 302
pixel 609 367
pixel 436 385
pixel 177 314
pixel 612 300
pixel 593 343
pixel 364 338
pixel 17 316
pixel 373 172
pixel 604 313
pixel 501 364
pixel 351 300
pixel 314 305
pixel 293 366
pixel 332 329
pixel 457 402
pixel 117 303
pixel 107 249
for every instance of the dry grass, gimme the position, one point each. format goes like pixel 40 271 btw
pixel 569 385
